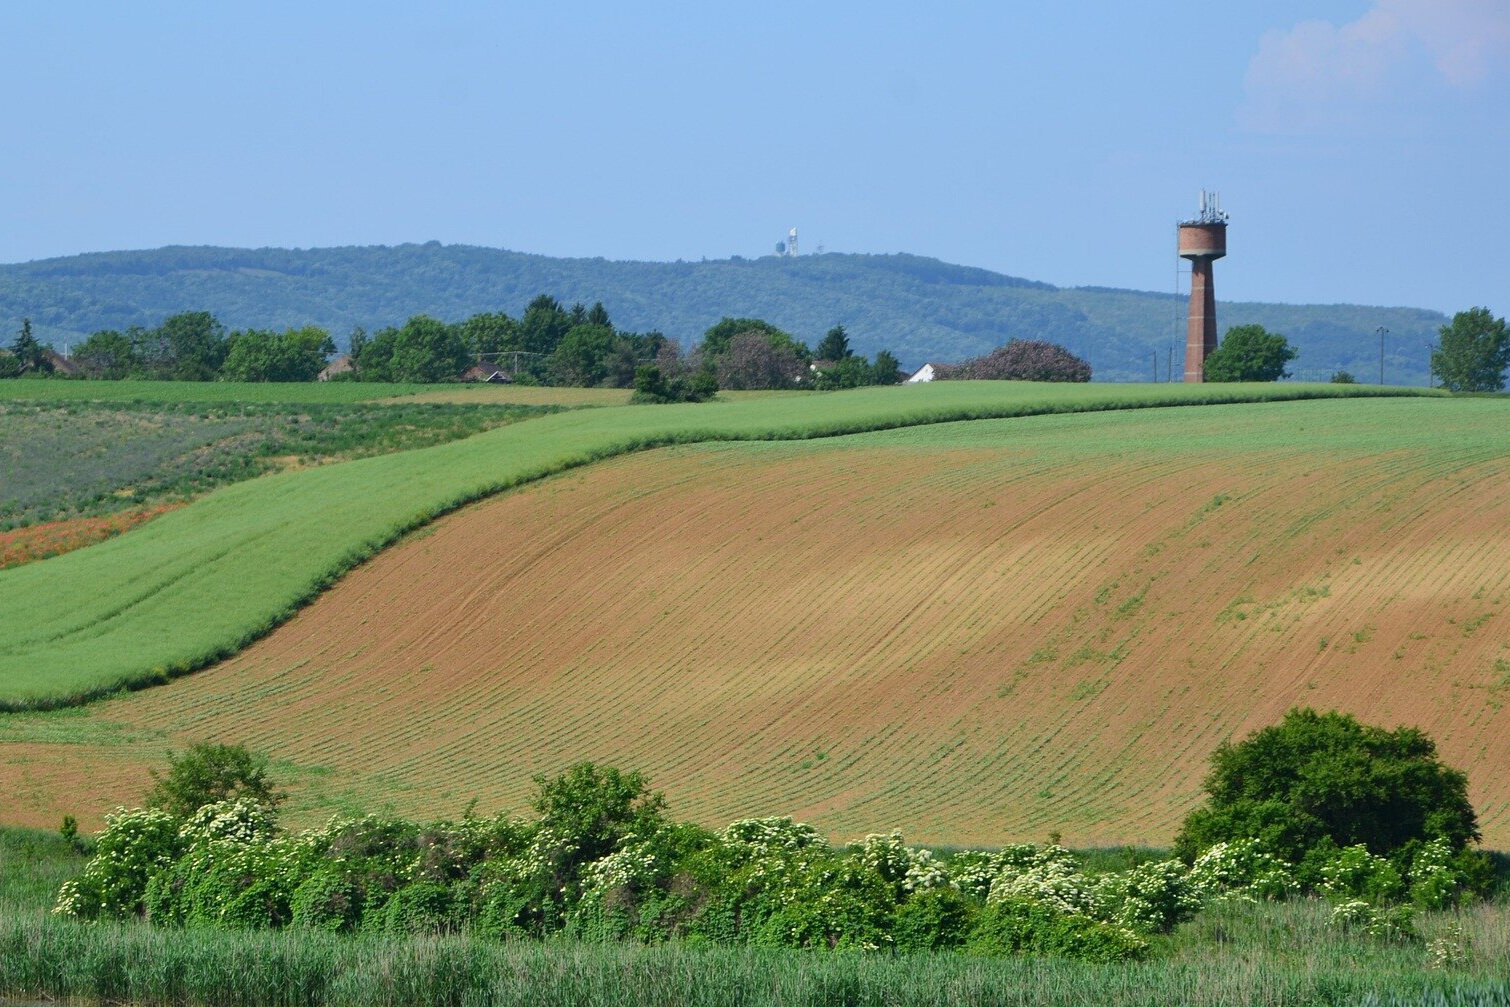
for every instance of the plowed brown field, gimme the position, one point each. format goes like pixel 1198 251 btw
pixel 974 632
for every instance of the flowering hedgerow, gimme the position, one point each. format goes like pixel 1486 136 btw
pixel 636 875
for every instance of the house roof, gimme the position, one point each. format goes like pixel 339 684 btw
pixel 60 363
pixel 340 365
pixel 485 372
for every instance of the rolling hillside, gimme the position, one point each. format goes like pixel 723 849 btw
pixel 921 309
pixel 972 631
pixel 197 584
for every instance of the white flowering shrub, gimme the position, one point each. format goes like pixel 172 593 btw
pixel 1242 869
pixel 1046 874
pixel 898 864
pixel 236 821
pixel 534 884
pixel 767 861
pixel 1354 914
pixel 634 864
pixel 1355 873
pixel 1448 951
pixel 232 871
pixel 925 872
pixel 1435 880
pixel 606 909
pixel 835 902
pixel 754 838
pixel 1026 856
pixel 514 899
pixel 1360 917
pixel 1150 898
pixel 601 862
pixel 971 873
pixel 134 846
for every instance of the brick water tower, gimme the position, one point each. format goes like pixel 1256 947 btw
pixel 1202 241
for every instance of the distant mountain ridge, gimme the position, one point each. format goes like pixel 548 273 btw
pixel 920 308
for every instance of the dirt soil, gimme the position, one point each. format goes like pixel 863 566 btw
pixel 53 538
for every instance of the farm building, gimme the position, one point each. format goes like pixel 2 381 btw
pixel 61 364
pixel 340 365
pixel 925 373
pixel 490 373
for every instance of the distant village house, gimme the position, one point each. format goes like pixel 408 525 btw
pixel 340 365
pixel 484 372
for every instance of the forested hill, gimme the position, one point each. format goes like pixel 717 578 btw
pixel 919 308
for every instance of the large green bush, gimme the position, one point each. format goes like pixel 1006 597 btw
pixel 1025 926
pixel 1250 353
pixel 326 901
pixel 937 919
pixel 209 773
pixel 1323 781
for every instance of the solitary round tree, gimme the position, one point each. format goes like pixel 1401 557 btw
pixel 1250 353
pixel 209 772
pixel 1323 776
pixel 1472 352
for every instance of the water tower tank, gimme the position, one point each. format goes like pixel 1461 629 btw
pixel 1203 240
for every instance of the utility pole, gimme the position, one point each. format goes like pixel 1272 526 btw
pixel 1382 333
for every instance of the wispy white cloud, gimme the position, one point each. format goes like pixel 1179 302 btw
pixel 1316 72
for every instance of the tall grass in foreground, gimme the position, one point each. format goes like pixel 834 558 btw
pixel 200 583
pixel 1271 954
pixel 42 957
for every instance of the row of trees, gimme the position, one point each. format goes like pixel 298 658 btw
pixel 190 346
pixel 579 346
pixel 549 344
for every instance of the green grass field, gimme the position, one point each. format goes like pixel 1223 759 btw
pixel 327 393
pixel 59 390
pixel 60 460
pixel 199 583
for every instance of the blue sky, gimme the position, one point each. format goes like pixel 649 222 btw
pixel 1361 147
